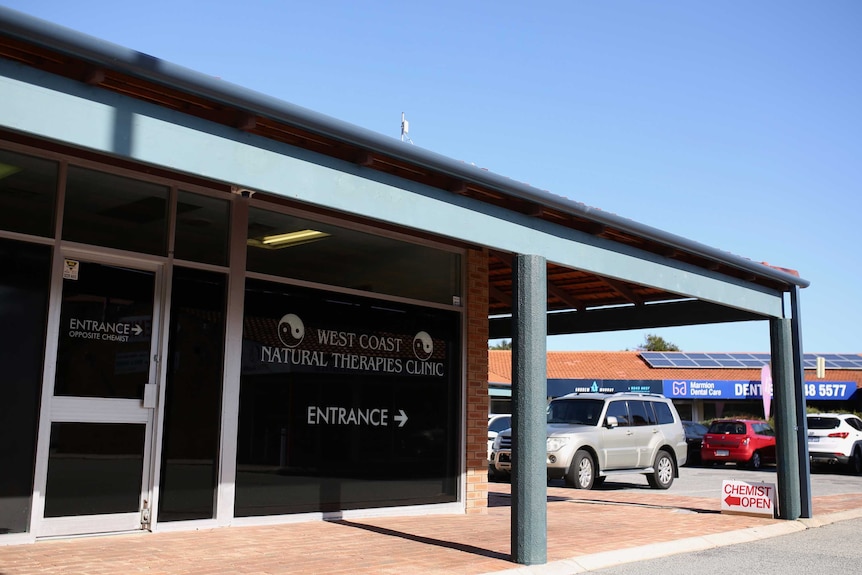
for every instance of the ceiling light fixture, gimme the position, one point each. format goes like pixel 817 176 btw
pixel 8 170
pixel 289 239
pixel 293 237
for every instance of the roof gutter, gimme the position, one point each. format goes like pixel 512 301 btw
pixel 64 40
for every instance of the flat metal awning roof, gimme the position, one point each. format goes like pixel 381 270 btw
pixel 583 297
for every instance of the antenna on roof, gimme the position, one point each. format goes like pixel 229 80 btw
pixel 405 127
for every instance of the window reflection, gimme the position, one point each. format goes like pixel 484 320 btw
pixel 289 246
pixel 193 396
pixel 351 414
pixel 23 311
pixel 202 229
pixel 105 331
pixel 28 187
pixel 94 468
pixel 114 211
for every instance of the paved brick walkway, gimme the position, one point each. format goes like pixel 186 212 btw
pixel 579 523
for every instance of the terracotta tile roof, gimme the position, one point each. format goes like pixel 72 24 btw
pixel 629 365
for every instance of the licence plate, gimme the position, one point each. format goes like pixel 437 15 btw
pixel 721 453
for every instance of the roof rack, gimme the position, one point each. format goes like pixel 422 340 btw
pixel 639 394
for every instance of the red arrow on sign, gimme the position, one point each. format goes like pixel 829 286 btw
pixel 732 500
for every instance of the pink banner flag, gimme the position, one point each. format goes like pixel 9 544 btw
pixel 766 389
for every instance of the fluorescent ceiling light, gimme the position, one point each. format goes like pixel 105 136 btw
pixel 289 239
pixel 7 170
pixel 293 237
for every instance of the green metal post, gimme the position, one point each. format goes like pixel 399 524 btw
pixel 801 420
pixel 785 419
pixel 529 400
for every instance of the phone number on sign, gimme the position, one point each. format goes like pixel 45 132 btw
pixel 825 390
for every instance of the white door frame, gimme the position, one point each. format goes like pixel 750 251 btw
pixel 97 410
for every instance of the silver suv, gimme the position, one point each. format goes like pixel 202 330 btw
pixel 592 436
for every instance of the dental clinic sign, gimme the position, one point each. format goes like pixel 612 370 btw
pixel 332 349
pixel 732 389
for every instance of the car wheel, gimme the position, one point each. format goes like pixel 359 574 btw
pixel 855 463
pixel 582 471
pixel 664 471
pixel 755 462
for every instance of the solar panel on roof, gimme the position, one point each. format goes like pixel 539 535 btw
pixel 747 360
pixel 730 363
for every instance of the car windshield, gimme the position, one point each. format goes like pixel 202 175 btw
pixel 575 411
pixel 823 422
pixel 728 427
pixel 500 424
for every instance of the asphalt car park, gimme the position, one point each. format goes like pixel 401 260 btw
pixel 707 482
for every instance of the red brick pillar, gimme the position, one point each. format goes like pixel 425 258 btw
pixel 477 381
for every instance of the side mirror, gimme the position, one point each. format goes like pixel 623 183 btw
pixel 611 422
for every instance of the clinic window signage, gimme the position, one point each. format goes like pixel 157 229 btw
pixel 733 389
pixel 346 402
pixel 304 342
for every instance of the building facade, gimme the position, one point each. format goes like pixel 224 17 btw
pixel 221 309
pixel 699 393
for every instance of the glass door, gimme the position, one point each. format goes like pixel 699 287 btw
pixel 97 477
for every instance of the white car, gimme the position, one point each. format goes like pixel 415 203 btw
pixel 497 422
pixel 835 438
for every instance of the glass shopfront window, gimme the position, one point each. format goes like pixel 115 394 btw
pixel 23 313
pixel 28 187
pixel 345 403
pixel 289 246
pixel 117 212
pixel 202 228
pixel 193 395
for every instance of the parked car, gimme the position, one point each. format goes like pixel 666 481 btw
pixel 694 433
pixel 497 422
pixel 591 436
pixel 746 442
pixel 835 438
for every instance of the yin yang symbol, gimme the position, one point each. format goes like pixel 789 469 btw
pixel 423 347
pixel 291 330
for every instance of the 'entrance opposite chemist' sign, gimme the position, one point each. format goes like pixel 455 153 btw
pixel 103 330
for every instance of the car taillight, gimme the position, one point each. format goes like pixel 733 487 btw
pixel 746 441
pixel 840 434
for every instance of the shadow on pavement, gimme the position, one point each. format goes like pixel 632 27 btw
pixel 425 540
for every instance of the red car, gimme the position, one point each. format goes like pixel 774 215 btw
pixel 746 442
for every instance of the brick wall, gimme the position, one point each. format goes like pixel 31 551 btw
pixel 477 381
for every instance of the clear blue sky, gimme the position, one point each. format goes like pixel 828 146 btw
pixel 736 124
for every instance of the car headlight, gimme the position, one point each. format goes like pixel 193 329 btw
pixel 557 443
pixel 497 441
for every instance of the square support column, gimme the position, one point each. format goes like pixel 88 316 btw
pixel 529 408
pixel 786 425
pixel 806 510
